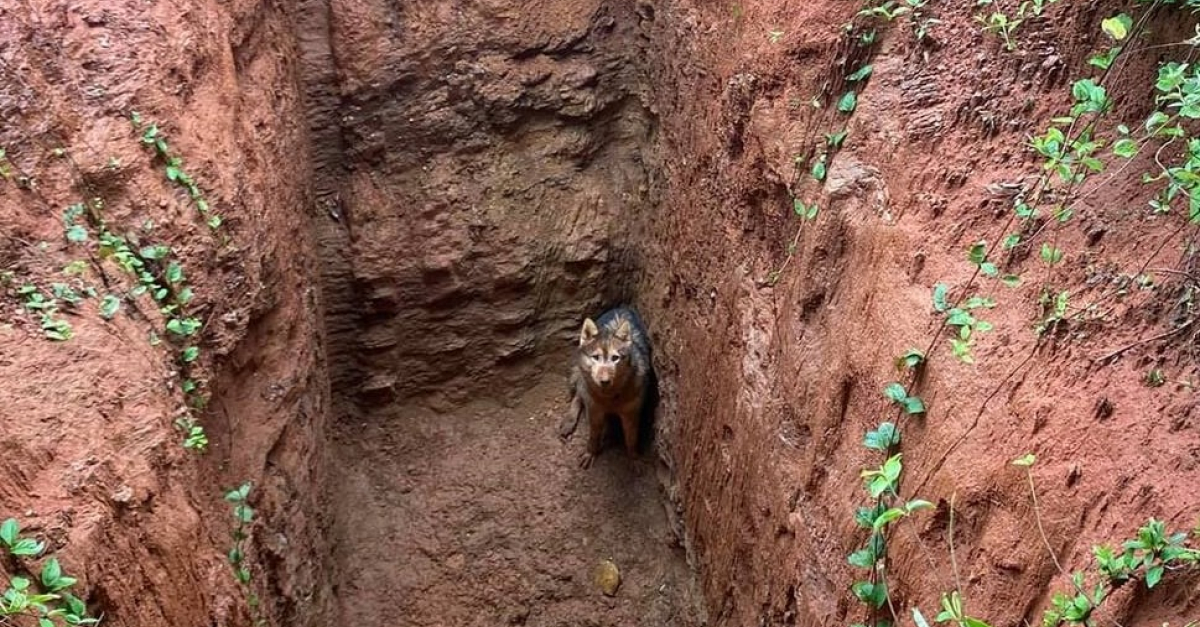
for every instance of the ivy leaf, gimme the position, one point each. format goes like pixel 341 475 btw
pixel 155 252
pixel 173 273
pixel 109 306
pixel 862 558
pixel 848 102
pixel 10 529
pixel 895 392
pixel 1026 460
pixel 917 505
pixel 977 253
pixel 886 518
pixel 882 438
pixel 51 572
pixel 861 73
pixel 821 167
pixel 940 303
pixel 913 405
pixel 1117 27
pixel 910 359
pixel 1126 148
pixel 1154 575
pixel 1050 254
pixel 77 233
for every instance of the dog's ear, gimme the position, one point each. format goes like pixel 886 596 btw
pixel 588 332
pixel 622 332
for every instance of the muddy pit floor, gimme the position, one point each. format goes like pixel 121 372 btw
pixel 482 517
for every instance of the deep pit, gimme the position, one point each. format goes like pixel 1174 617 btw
pixel 419 204
pixel 485 181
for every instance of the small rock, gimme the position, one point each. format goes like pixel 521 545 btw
pixel 122 495
pixel 607 577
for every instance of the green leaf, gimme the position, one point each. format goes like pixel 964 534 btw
pixel 190 354
pixel 834 141
pixel 1126 148
pixel 77 233
pixel 1011 280
pixel 940 303
pixel 1026 460
pixel 26 547
pixel 895 392
pixel 882 438
pixel 873 594
pixel 913 405
pixel 862 558
pixel 45 622
pixel 861 73
pixel 919 618
pixel 977 253
pixel 917 505
pixel 51 572
pixel 109 305
pixel 989 269
pixel 1154 575
pixel 155 252
pixel 848 102
pixel 820 168
pixel 1105 60
pixel 1117 27
pixel 863 516
pixel 10 530
pixel 886 518
pixel 76 606
pixel 214 221
pixel 184 296
pixel 1050 254
pixel 910 359
pixel 174 273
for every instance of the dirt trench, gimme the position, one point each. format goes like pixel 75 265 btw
pixel 420 203
pixel 483 170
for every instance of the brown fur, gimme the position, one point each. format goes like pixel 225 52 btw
pixel 609 378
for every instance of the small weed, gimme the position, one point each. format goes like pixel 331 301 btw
pixel 961 318
pixel 1155 378
pixel 1004 24
pixel 243 516
pixel 848 103
pixel 896 393
pixel 153 137
pixel 51 606
pixel 805 211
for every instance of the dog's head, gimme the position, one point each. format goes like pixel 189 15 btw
pixel 604 354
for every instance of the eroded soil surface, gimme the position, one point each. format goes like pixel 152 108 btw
pixel 482 517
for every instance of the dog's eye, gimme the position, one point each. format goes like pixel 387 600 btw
pixel 597 356
pixel 616 358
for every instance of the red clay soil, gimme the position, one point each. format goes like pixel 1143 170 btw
pixel 422 200
pixel 480 517
pixel 771 389
pixel 92 462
